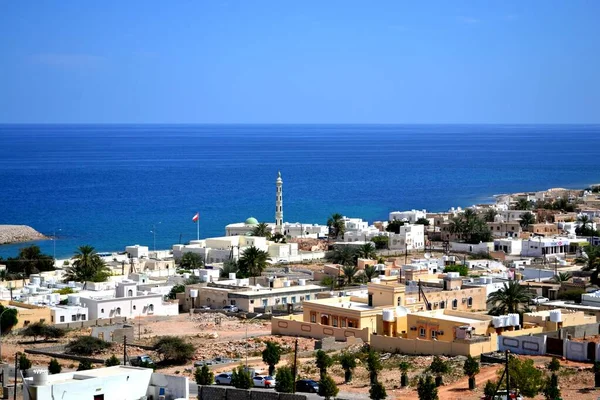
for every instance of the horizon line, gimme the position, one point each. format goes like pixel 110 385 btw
pixel 308 123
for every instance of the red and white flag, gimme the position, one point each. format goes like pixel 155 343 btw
pixel 196 217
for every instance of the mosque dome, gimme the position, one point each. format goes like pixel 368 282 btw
pixel 251 221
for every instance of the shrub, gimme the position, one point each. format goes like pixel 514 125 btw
pixel 203 376
pixel 174 290
pixel 551 389
pixel 439 367
pixel 373 365
pixel 554 365
pixel 24 362
pixel 463 270
pixel 54 367
pixel 377 391
pixel 112 361
pixel 64 291
pixel 327 387
pixel 86 346
pixel 323 362
pixel 41 329
pixel 525 376
pixel 174 349
pixel 85 365
pixel 348 363
pixel 8 319
pixel 572 295
pixel 241 379
pixel 426 388
pixel 284 381
pixel 471 368
pixel 271 356
pixel 489 389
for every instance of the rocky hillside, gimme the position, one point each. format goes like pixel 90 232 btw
pixel 18 233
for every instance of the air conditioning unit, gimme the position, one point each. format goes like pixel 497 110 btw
pixel 440 332
pixel 413 328
pixel 436 304
pixel 464 300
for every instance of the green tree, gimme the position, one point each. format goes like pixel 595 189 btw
pixel 85 365
pixel 404 367
pixel 422 221
pixel 191 260
pixel 350 272
pixel 30 260
pixel 327 281
pixel 571 295
pixel 262 230
pixel 367 251
pixel 584 221
pixel 229 267
pixel 54 367
pixel 526 220
pixel 88 266
pixel 471 368
pixel 427 389
pixel 271 355
pixel 284 380
pixel 86 346
pixel 590 258
pixel 490 215
pixel 562 277
pixel 490 389
pixel 373 365
pixel 8 319
pixel 278 238
pixel 381 242
pixel 343 255
pixel 523 204
pixel 370 272
pixel 327 387
pixel 41 329
pixel 554 365
pixel 241 379
pixel 24 362
pixel 551 390
pixel 525 376
pixel 439 367
pixel 463 270
pixel 174 290
pixel 203 376
pixel 394 226
pixel 174 350
pixel 377 391
pixel 112 361
pixel 253 262
pixel 512 298
pixel 323 361
pixel 470 228
pixel 336 226
pixel 348 363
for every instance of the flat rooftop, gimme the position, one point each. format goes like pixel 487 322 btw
pixel 94 373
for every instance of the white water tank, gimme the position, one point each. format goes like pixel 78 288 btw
pixel 193 293
pixel 453 275
pixel 186 275
pixel 514 319
pixel 401 311
pixel 73 299
pixel 36 280
pixel 71 284
pixel 555 316
pixel 388 315
pixel 302 282
pixel 375 280
pixel 232 275
pixel 287 283
pixel 498 322
pixel 40 376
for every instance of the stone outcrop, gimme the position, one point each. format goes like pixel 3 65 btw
pixel 18 234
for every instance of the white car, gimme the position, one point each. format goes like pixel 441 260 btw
pixel 264 381
pixel 539 300
pixel 223 379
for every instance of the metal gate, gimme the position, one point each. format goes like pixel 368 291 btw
pixel 554 346
pixel 591 351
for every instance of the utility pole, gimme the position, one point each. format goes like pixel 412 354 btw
pixel 125 350
pixel 16 369
pixel 295 365
pixel 507 375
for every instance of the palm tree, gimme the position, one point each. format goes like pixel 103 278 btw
pixel 88 266
pixel 457 226
pixel 253 262
pixel 523 204
pixel 367 251
pixel 561 277
pixel 262 230
pixel 590 259
pixel 526 220
pixel 191 260
pixel 490 215
pixel 370 272
pixel 336 226
pixel 584 221
pixel 350 272
pixel 512 298
pixel 344 255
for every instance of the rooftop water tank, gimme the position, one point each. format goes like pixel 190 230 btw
pixel 555 316
pixel 73 299
pixel 514 319
pixel 193 293
pixel 302 282
pixel 36 280
pixel 232 275
pixel 401 311
pixel 186 276
pixel 375 280
pixel 388 315
pixel 71 284
pixel 40 376
pixel 498 322
pixel 286 283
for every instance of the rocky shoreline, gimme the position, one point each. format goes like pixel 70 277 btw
pixel 18 234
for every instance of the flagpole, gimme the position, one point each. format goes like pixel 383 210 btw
pixel 198 227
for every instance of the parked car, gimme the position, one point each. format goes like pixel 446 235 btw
pixel 223 379
pixel 539 300
pixel 143 360
pixel 264 381
pixel 501 395
pixel 231 309
pixel 201 363
pixel 204 307
pixel 307 386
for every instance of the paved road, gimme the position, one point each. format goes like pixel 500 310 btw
pixel 310 396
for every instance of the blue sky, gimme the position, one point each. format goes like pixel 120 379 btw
pixel 300 61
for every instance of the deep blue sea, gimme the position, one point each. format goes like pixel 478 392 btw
pixel 108 185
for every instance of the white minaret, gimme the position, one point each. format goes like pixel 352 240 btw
pixel 279 205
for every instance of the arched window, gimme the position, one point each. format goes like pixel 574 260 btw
pixel 134 307
pixel 118 312
pixel 470 302
pixel 130 293
pixel 442 304
pixel 454 303
pixel 151 307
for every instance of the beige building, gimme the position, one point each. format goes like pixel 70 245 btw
pixel 29 313
pixel 543 229
pixel 505 229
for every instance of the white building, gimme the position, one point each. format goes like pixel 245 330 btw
pixel 542 246
pixel 511 215
pixel 411 216
pixel 119 382
pixel 68 313
pixel 411 237
pixel 137 251
pixel 355 224
pixel 591 299
pixel 511 247
pixel 127 303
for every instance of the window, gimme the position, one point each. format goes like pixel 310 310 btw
pixel 335 321
pixel 284 300
pixel 399 301
pixel 251 301
pixel 83 317
pixel 470 302
pixel 433 334
pixel 73 317
pixel 293 299
pixel 307 297
pixel 343 320
pixel 151 307
pixel 454 304
pixel 422 332
pixel 134 307
pixel 102 311
pixel 442 304
pixel 62 318
pixel 370 299
pixel 130 293
pixel 118 311
pixel 313 317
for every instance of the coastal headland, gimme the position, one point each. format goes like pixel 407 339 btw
pixel 18 234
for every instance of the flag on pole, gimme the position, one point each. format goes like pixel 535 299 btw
pixel 196 217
